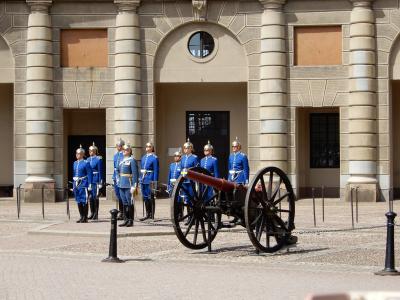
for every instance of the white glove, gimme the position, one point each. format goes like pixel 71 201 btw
pixel 133 189
pixel 90 188
pixel 100 186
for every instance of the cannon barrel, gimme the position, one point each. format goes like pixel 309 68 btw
pixel 217 183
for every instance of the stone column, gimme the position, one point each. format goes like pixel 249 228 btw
pixel 273 106
pixel 362 102
pixel 127 105
pixel 39 104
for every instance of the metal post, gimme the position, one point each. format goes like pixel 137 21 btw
pixel 323 203
pixel 43 201
pixel 112 253
pixel 389 258
pixel 18 199
pixel 67 200
pixel 351 206
pixel 313 200
pixel 209 232
pixel 357 204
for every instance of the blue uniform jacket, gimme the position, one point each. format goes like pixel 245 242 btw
pixel 149 168
pixel 238 168
pixel 173 174
pixel 127 173
pixel 82 174
pixel 210 163
pixel 189 161
pixel 118 157
pixel 96 163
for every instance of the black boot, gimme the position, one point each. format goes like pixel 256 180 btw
pixel 148 210
pixel 153 206
pixel 85 212
pixel 130 216
pixel 121 210
pixel 80 213
pixel 126 214
pixel 96 209
pixel 92 208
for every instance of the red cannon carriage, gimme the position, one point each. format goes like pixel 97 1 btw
pixel 266 208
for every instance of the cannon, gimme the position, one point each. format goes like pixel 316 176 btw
pixel 266 208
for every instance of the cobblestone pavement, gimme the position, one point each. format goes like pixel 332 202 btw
pixel 329 257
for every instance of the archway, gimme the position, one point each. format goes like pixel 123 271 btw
pixel 201 97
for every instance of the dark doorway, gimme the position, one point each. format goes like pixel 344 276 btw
pixel 86 141
pixel 202 126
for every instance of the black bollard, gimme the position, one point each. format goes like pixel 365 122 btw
pixel 112 253
pixel 389 258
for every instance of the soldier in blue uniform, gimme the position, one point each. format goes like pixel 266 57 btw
pixel 210 163
pixel 238 164
pixel 174 171
pixel 82 177
pixel 189 160
pixel 96 163
pixel 149 169
pixel 238 168
pixel 118 157
pixel 127 174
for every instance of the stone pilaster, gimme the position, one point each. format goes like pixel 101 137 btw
pixel 127 105
pixel 39 104
pixel 273 102
pixel 362 102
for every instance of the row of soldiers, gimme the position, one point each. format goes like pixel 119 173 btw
pixel 126 178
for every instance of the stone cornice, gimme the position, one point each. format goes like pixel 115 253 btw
pixel 127 5
pixel 362 3
pixel 272 4
pixel 39 5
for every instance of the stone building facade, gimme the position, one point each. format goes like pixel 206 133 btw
pixel 123 68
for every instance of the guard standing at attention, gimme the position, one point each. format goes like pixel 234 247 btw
pixel 238 164
pixel 210 163
pixel 149 170
pixel 238 169
pixel 118 157
pixel 96 163
pixel 174 171
pixel 127 173
pixel 82 177
pixel 189 160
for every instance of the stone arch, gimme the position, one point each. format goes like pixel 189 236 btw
pixel 173 60
pixel 6 62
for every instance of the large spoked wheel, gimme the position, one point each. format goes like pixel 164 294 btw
pixel 269 210
pixel 191 206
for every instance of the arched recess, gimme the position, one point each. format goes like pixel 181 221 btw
pixel 6 118
pixel 188 88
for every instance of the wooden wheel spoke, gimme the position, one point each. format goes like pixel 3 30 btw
pixel 276 190
pixel 260 228
pixel 203 230
pixel 270 181
pixel 190 225
pixel 264 191
pixel 283 210
pixel 196 231
pixel 185 217
pixel 256 220
pixel 281 198
pixel 193 185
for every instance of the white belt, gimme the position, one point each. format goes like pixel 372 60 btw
pixel 172 180
pixel 95 172
pixel 146 171
pixel 232 172
pixel 78 178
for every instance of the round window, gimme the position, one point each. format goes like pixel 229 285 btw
pixel 201 44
